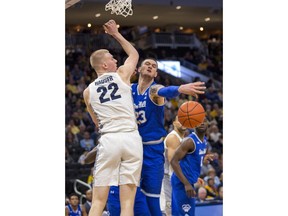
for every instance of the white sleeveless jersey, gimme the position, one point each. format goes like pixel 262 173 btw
pixel 111 100
pixel 167 167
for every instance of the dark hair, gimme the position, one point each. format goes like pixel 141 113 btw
pixel 73 194
pixel 149 58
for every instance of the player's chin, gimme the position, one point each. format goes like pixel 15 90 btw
pixel 201 129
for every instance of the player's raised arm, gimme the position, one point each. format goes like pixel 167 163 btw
pixel 186 146
pixel 126 70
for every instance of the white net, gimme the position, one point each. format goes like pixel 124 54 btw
pixel 120 7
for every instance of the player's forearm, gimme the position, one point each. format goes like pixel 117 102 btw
pixel 178 172
pixel 91 156
pixel 169 92
pixel 94 119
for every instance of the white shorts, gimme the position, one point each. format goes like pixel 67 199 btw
pixel 119 159
pixel 165 197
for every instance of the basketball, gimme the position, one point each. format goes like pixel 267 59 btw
pixel 191 114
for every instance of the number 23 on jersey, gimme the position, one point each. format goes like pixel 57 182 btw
pixel 140 116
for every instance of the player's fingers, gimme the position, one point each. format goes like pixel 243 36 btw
pixel 198 92
pixel 200 87
pixel 105 27
pixel 199 83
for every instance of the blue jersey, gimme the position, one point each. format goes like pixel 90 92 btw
pixel 78 212
pixel 150 116
pixel 192 162
pixel 191 166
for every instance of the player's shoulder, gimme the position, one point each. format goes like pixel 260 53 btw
pixel 172 140
pixel 171 135
pixel 155 86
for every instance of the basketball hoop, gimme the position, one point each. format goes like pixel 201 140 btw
pixel 120 7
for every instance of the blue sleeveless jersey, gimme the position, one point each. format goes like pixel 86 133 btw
pixel 192 162
pixel 72 213
pixel 150 116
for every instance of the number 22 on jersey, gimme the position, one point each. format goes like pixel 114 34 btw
pixel 107 95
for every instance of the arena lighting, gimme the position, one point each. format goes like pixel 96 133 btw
pixel 89 25
pixel 170 67
pixel 178 7
pixel 97 15
pixel 155 17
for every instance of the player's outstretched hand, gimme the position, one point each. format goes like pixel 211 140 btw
pixel 110 27
pixel 209 157
pixel 193 88
pixel 190 192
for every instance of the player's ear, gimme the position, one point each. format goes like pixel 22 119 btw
pixel 138 69
pixel 104 65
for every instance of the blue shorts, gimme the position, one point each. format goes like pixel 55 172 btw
pixel 181 204
pixel 113 203
pixel 152 169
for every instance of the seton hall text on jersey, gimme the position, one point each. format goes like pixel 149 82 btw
pixel 107 79
pixel 140 105
pixel 201 152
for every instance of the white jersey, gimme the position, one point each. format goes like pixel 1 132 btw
pixel 111 100
pixel 167 167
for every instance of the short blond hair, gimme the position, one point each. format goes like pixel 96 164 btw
pixel 96 58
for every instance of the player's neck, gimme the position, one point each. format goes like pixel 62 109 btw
pixel 200 135
pixel 100 73
pixel 74 207
pixel 143 84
